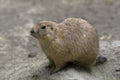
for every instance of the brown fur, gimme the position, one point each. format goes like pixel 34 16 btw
pixel 72 40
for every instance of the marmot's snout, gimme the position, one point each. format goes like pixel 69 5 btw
pixel 34 33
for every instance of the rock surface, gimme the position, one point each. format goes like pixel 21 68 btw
pixel 21 57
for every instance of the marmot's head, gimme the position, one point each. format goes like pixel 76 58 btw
pixel 44 30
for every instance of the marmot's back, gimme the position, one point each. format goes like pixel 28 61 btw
pixel 79 36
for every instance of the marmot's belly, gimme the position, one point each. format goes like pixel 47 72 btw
pixel 81 58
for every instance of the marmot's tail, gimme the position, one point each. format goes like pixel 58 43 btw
pixel 101 60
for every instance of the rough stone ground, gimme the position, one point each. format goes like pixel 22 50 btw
pixel 18 16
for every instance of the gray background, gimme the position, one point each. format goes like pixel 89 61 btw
pixel 18 16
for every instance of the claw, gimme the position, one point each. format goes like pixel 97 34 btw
pixel 49 66
pixel 54 71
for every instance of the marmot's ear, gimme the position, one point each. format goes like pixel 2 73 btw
pixel 51 27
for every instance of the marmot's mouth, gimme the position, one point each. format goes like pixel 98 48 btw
pixel 33 33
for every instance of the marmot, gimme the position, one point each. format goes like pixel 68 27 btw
pixel 73 40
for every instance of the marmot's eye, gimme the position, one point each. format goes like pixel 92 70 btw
pixel 43 27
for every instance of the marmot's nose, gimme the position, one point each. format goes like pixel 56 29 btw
pixel 32 31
